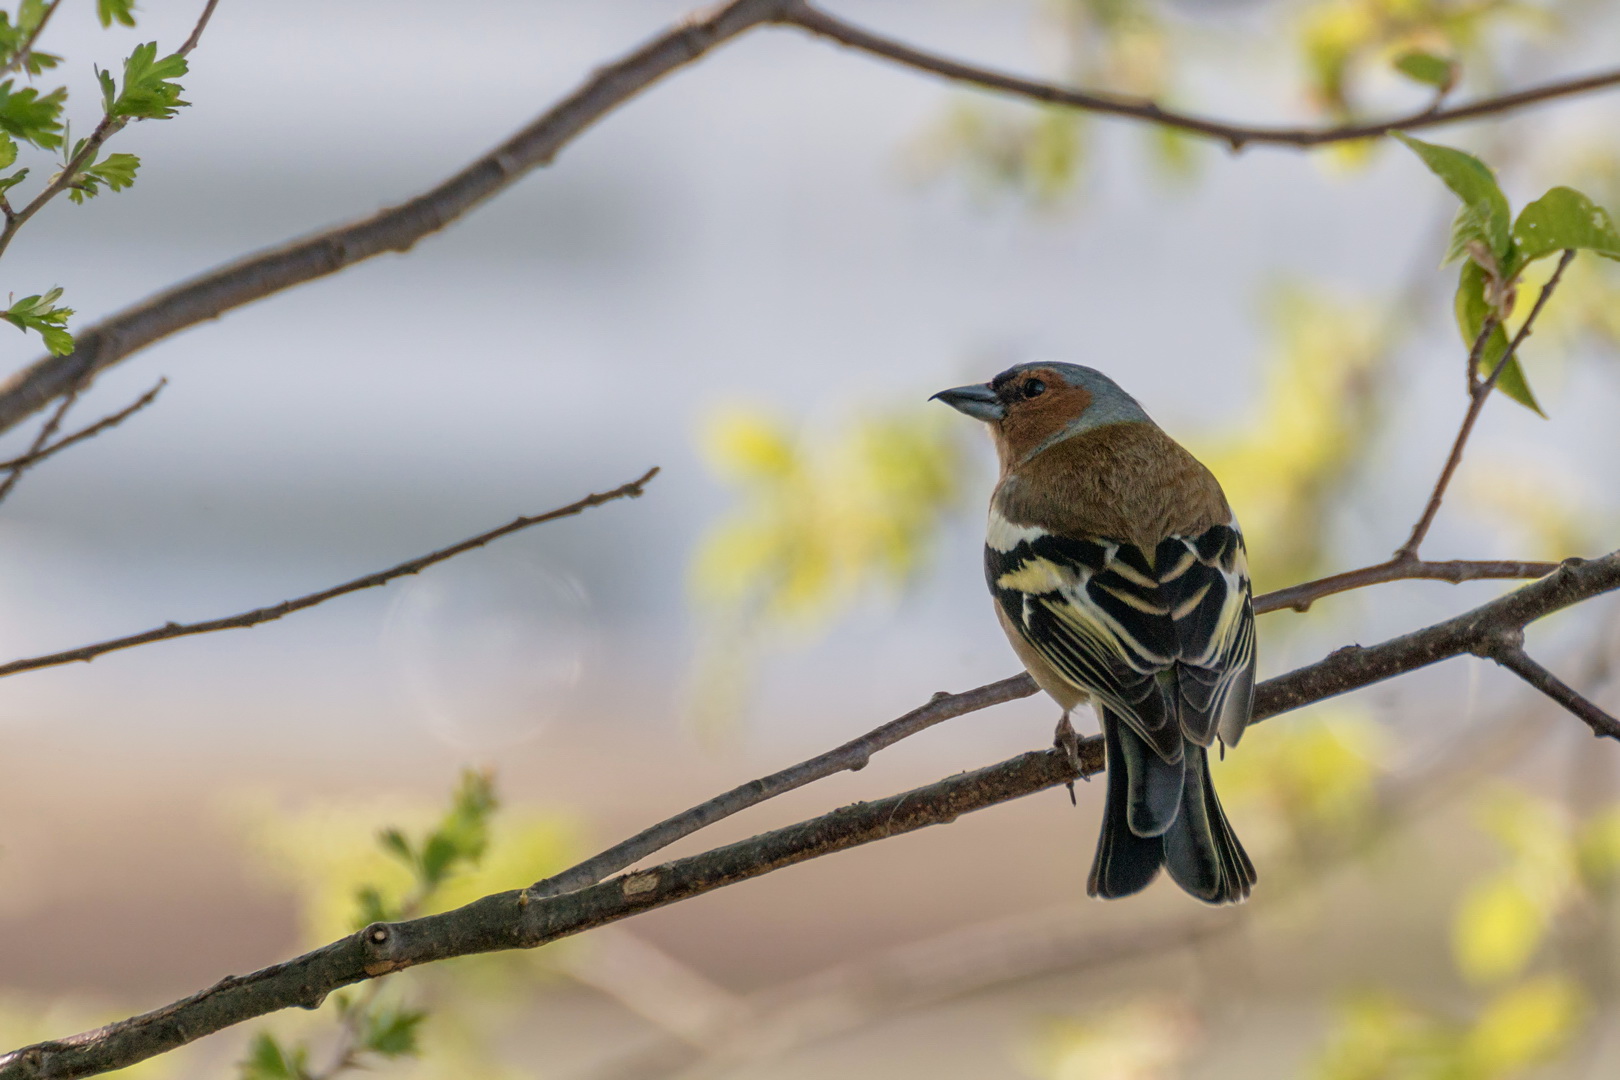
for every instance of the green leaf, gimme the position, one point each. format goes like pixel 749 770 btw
pixel 1485 216
pixel 28 115
pixel 1471 311
pixel 9 182
pixel 1427 68
pixel 392 1032
pixel 119 11
pixel 39 313
pixel 149 92
pixel 117 171
pixel 1564 218
pixel 8 151
pixel 394 843
pixel 267 1060
pixel 109 89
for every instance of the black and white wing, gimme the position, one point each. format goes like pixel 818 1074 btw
pixel 1165 638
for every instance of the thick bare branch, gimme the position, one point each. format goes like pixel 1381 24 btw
pixel 172 630
pixel 519 919
pixel 851 756
pixel 1236 135
pixel 397 229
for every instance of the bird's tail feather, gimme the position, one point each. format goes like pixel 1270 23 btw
pixel 1200 848
pixel 1125 861
pixel 1189 831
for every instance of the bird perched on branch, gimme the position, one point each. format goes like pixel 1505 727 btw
pixel 1121 580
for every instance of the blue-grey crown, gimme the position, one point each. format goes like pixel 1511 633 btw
pixel 1109 403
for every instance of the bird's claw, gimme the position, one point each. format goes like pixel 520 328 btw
pixel 1066 740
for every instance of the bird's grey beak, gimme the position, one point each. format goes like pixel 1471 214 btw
pixel 978 401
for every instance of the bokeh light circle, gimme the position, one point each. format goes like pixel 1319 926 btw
pixel 488 649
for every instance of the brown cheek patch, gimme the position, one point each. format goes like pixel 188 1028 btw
pixel 1031 421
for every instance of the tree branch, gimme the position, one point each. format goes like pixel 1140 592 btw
pixel 39 451
pixel 1236 135
pixel 520 919
pixel 16 467
pixel 1476 404
pixel 1508 651
pixel 397 229
pixel 1301 597
pixel 287 607
pixel 216 292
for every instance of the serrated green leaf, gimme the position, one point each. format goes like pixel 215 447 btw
pixel 149 92
pixel 109 89
pixel 1487 217
pixel 392 1033
pixel 116 171
pixel 8 151
pixel 1562 219
pixel 9 182
pixel 1427 68
pixel 268 1060
pixel 33 117
pixel 40 61
pixel 1471 309
pixel 119 11
pixel 37 313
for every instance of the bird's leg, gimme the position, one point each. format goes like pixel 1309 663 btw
pixel 1067 741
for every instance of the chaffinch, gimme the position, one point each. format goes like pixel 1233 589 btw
pixel 1121 580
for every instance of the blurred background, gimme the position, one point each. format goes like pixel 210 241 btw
pixel 753 276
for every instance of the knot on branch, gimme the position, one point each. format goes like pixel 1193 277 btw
pixel 378 941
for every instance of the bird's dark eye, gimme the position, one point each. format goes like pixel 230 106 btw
pixel 1034 388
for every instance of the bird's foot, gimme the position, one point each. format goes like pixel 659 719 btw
pixel 1066 740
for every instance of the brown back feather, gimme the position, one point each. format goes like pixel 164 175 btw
pixel 1127 481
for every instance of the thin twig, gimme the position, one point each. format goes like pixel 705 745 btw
pixel 40 453
pixel 16 467
pixel 268 614
pixel 20 57
pixel 1301 597
pixel 212 294
pixel 1476 405
pixel 197 31
pixel 1509 652
pixel 1235 135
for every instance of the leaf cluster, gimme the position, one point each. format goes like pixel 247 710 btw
pixel 40 313
pixel 17 33
pixel 371 1028
pixel 1497 248
pixel 457 842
